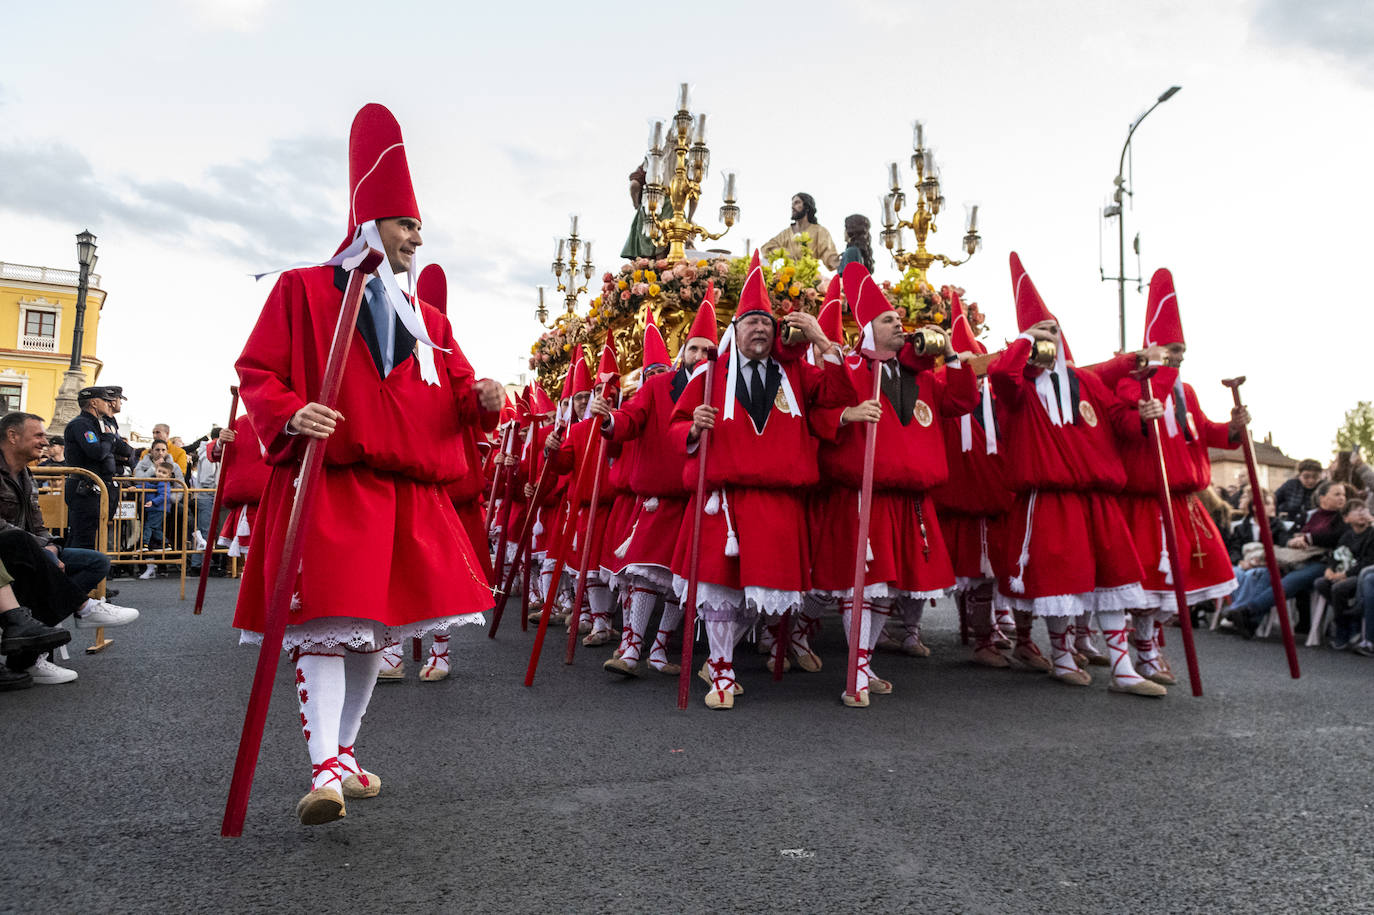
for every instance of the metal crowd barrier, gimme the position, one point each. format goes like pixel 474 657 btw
pixel 53 506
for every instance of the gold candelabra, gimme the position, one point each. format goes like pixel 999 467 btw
pixel 929 201
pixel 676 166
pixel 572 287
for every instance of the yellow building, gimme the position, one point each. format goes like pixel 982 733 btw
pixel 37 313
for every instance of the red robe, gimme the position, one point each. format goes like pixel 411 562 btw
pixel 467 493
pixel 1064 552
pixel 382 541
pixel 1207 566
pixel 908 552
pixel 245 475
pixel 759 479
pixel 574 459
pixel 655 479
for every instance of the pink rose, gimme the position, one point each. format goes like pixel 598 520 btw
pixel 689 274
pixel 662 264
pixel 625 295
pixel 607 277
pixel 640 289
pixel 641 263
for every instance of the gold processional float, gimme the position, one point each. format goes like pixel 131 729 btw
pixel 672 282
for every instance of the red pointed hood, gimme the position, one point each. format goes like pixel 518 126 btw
pixel 378 173
pixel 704 324
pixel 961 332
pixel 831 322
pixel 581 375
pixel 1162 323
pixel 655 350
pixel 1030 308
pixel 833 290
pixel 608 367
pixel 432 287
pixel 507 410
pixel 539 401
pixel 871 302
pixel 754 296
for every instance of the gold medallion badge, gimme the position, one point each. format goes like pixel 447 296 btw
pixel 922 413
pixel 1089 415
pixel 780 402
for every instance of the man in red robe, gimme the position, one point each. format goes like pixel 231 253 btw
pixel 245 476
pixel 1187 434
pixel 1068 550
pixel 385 555
pixel 655 478
pixel 755 554
pixel 906 559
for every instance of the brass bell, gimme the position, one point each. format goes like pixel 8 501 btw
pixel 1043 353
pixel 790 334
pixel 928 341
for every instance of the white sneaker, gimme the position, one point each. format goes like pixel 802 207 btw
pixel 104 613
pixel 46 673
pixel 199 540
pixel 150 572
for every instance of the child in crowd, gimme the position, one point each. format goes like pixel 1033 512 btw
pixel 1355 551
pixel 159 501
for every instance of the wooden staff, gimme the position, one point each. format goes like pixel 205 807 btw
pixel 526 537
pixel 861 550
pixel 507 491
pixel 217 504
pixel 1290 647
pixel 524 548
pixel 689 602
pixel 569 525
pixel 780 644
pixel 1166 513
pixel 598 461
pixel 293 546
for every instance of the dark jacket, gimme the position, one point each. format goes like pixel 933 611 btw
pixel 19 505
pixel 1293 500
pixel 1361 547
pixel 1247 531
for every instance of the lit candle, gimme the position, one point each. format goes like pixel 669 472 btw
pixel 699 135
pixel 682 97
pixel 729 187
pixel 919 131
pixel 558 255
pixel 573 230
pixel 894 176
pixel 973 217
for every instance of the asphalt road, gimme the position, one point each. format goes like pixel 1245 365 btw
pixel 964 791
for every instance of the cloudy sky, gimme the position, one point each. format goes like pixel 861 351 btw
pixel 204 140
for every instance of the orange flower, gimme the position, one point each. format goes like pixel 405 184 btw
pixel 622 285
pixel 794 290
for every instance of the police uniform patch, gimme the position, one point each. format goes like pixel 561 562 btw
pixel 90 438
pixel 1086 410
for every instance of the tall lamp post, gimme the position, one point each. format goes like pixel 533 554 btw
pixel 74 379
pixel 1117 210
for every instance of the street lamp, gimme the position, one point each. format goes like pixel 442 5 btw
pixel 85 256
pixel 1117 210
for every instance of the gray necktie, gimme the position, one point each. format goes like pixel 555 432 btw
pixel 382 322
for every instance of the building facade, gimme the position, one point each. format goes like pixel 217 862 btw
pixel 37 313
pixel 1273 467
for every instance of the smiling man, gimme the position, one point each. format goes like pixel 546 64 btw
pixel 385 557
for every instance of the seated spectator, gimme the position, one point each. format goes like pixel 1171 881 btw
pixel 1294 498
pixel 1353 553
pixel 53 582
pixel 1323 531
pixel 156 454
pixel 55 455
pixel 1364 599
pixel 22 633
pixel 1245 548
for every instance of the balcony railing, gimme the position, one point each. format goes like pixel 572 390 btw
pixel 38 342
pixel 52 275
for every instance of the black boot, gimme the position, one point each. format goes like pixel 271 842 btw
pixel 24 633
pixel 14 679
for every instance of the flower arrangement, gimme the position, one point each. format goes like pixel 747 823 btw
pixel 918 303
pixel 792 284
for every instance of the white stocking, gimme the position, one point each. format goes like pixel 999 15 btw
pixel 360 677
pixel 438 653
pixel 1145 646
pixel 599 598
pixel 1060 654
pixel 641 606
pixel 1117 634
pixel 667 624
pixel 866 636
pixel 392 658
pixel 320 687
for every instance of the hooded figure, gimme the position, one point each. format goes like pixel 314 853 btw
pixel 365 577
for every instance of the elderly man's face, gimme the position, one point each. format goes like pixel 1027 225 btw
pixel 755 334
pixel 161 431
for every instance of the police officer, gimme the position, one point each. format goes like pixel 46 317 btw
pixel 123 451
pixel 90 444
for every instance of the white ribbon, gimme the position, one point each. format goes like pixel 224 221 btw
pixel 733 371
pixel 989 422
pixel 1060 410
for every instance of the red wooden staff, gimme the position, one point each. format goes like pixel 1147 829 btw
pixel 274 629
pixel 689 601
pixel 218 503
pixel 498 477
pixel 1166 513
pixel 507 490
pixel 856 603
pixel 569 524
pixel 1290 647
pixel 598 461
pixel 541 488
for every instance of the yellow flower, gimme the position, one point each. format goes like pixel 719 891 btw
pixel 701 263
pixel 622 285
pixel 637 276
pixel 535 348
pixel 596 302
pixel 794 290
pixel 653 289
pixel 650 276
pixel 778 287
pixel 789 271
pixel 567 347
pixel 937 317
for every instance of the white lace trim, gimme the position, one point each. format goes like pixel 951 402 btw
pixel 1122 597
pixel 358 633
pixel 1165 602
pixel 654 577
pixel 720 599
pixel 1054 605
pixel 881 589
